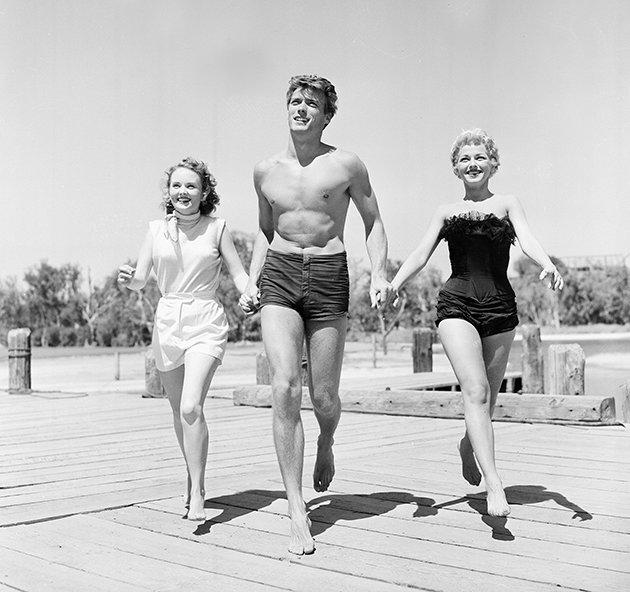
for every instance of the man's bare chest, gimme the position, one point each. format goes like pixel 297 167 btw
pixel 291 187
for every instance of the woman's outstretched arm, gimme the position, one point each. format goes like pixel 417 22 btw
pixel 530 245
pixel 135 278
pixel 422 253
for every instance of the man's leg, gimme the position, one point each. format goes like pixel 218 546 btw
pixel 325 341
pixel 283 333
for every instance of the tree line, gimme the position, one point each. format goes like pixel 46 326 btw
pixel 62 307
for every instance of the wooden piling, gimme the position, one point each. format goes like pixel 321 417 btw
pixel 565 363
pixel 374 347
pixel 116 365
pixel 422 350
pixel 152 383
pixel 532 360
pixel 19 355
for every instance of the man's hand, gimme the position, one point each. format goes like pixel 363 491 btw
pixel 381 293
pixel 250 299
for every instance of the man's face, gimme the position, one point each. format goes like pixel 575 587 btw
pixel 306 111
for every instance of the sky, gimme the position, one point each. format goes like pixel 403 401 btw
pixel 98 98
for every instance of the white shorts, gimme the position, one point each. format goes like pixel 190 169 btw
pixel 187 322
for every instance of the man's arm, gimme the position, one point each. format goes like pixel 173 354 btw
pixel 263 237
pixel 363 196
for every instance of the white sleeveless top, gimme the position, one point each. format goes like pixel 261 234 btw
pixel 193 264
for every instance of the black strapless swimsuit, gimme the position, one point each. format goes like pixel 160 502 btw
pixel 478 290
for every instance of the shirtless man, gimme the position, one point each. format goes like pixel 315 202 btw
pixel 299 263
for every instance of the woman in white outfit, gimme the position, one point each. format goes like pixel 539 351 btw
pixel 186 251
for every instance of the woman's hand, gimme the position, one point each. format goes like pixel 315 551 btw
pixel 125 274
pixel 249 300
pixel 555 281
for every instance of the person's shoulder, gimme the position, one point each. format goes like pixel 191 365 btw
pixel 349 160
pixel 507 201
pixel 215 220
pixel 154 224
pixel 265 165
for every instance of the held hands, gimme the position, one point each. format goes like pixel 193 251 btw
pixel 555 282
pixel 125 274
pixel 381 293
pixel 250 299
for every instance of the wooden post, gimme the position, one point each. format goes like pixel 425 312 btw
pixel 532 360
pixel 374 350
pixel 19 354
pixel 622 403
pixel 116 365
pixel 566 369
pixel 152 383
pixel 262 369
pixel 422 350
pixel 263 373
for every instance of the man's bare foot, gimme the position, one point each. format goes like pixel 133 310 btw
pixel 302 542
pixel 195 508
pixel 324 464
pixel 496 501
pixel 470 470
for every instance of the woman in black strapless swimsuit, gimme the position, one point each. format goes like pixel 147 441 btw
pixel 476 310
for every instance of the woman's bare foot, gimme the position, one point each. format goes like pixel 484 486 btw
pixel 187 494
pixel 470 470
pixel 195 508
pixel 302 542
pixel 324 464
pixel 496 501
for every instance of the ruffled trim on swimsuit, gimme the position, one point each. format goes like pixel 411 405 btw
pixel 476 223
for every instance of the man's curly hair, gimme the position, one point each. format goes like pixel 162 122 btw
pixel 210 198
pixel 317 83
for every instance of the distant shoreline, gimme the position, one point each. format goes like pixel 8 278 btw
pixel 401 336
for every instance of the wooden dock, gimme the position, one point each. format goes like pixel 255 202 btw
pixel 90 501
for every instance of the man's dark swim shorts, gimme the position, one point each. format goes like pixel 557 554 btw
pixel 316 286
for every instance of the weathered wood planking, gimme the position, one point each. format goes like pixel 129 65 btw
pixel 397 515
pixel 509 407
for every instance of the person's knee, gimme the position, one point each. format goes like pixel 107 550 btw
pixel 477 393
pixel 190 411
pixel 326 400
pixel 287 398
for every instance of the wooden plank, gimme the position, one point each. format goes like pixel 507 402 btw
pixel 266 536
pixel 178 544
pixel 399 514
pixel 439 493
pixel 509 407
pixel 61 546
pixel 29 573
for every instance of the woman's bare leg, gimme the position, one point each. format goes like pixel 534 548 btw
pixel 496 351
pixel 173 381
pixel 465 351
pixel 187 387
